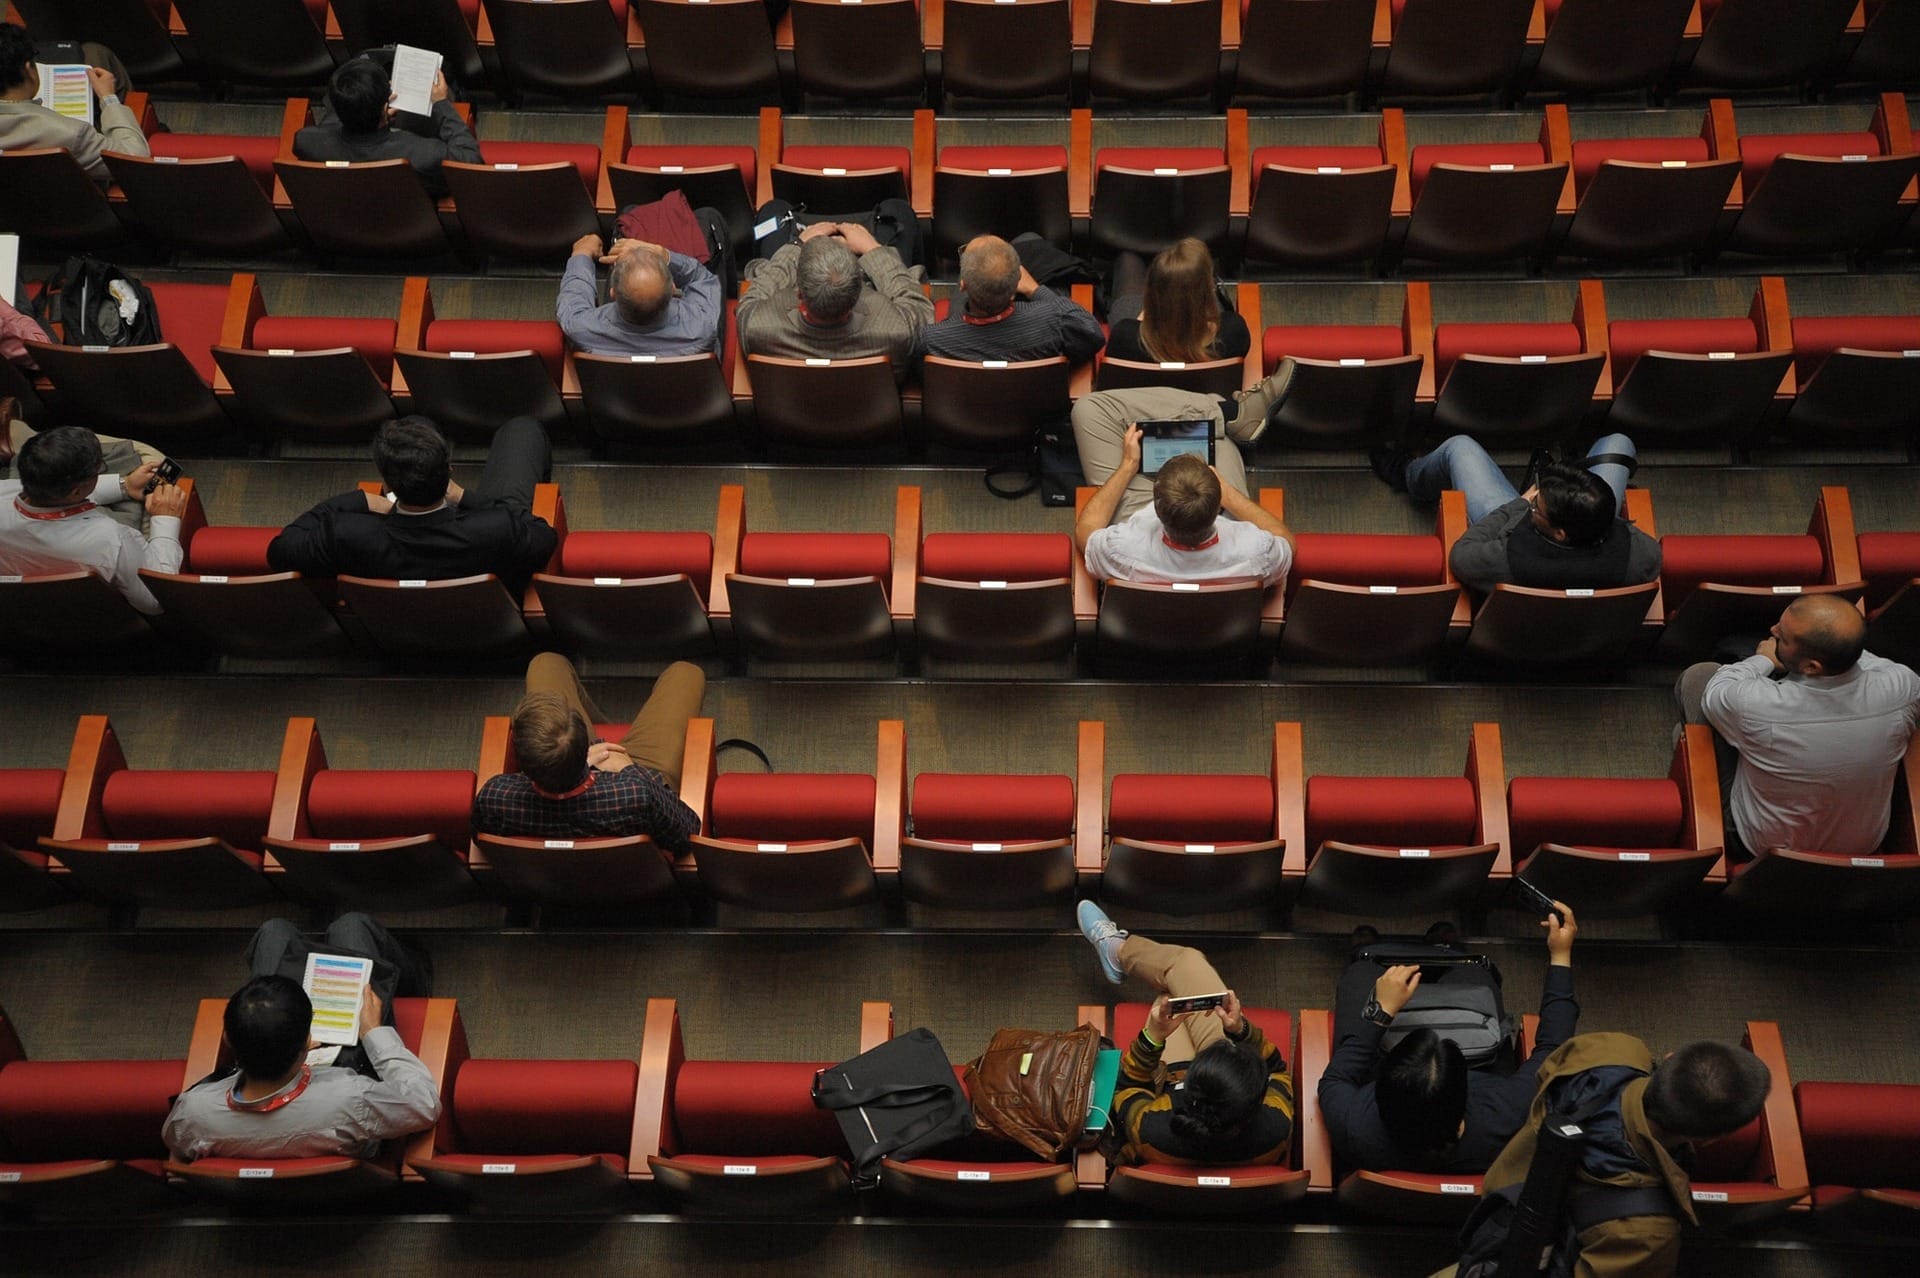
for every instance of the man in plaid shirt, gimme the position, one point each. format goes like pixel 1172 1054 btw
pixel 573 786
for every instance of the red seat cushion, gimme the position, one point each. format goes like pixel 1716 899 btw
pixel 1191 809
pixel 494 337
pixel 751 1107
pixel 1017 158
pixel 703 156
pixel 1478 155
pixel 1588 156
pixel 1888 561
pixel 1861 1134
pixel 256 153
pixel 1318 157
pixel 346 803
pixel 996 556
pixel 822 556
pixel 54 1111
pixel 1368 559
pixel 1332 342
pixel 850 158
pixel 638 554
pixel 1630 339
pixel 1605 812
pixel 991 809
pixel 373 338
pixel 1451 341
pixel 28 799
pixel 235 551
pixel 1816 337
pixel 233 806
pixel 1393 812
pixel 792 807
pixel 584 158
pixel 1152 159
pixel 191 316
pixel 544 1107
pixel 1758 151
pixel 1760 560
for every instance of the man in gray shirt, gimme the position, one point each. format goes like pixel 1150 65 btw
pixel 1819 726
pixel 644 315
pixel 838 294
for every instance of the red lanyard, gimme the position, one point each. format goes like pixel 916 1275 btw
pixel 582 788
pixel 971 318
pixel 68 513
pixel 275 1102
pixel 1211 541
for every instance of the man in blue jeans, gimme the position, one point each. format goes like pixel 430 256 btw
pixel 1564 533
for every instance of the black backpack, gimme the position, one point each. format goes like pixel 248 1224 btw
pixel 1460 1002
pixel 81 298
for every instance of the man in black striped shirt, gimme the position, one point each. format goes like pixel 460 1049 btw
pixel 1004 313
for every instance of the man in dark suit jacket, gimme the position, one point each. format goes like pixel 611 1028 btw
pixel 431 529
pixel 364 126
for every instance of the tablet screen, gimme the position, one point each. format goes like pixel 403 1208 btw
pixel 1162 440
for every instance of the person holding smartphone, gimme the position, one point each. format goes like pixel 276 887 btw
pixel 1196 1086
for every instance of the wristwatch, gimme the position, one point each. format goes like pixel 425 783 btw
pixel 1375 1013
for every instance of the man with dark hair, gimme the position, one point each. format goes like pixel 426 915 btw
pixel 573 785
pixel 429 527
pixel 1194 1087
pixel 289 1097
pixel 51 517
pixel 836 293
pixel 26 124
pixel 1419 1107
pixel 1182 537
pixel 662 303
pixel 1811 729
pixel 364 126
pixel 1009 315
pixel 1563 533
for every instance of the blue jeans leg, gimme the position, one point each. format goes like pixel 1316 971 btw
pixel 1613 473
pixel 1460 463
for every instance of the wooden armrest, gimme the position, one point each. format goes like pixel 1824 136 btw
pixel 698 768
pixel 1487 770
pixel 1416 330
pixel 907 530
pixel 1450 524
pixel 194 518
pixel 439 1033
pixel 1081 24
pixel 1393 146
pixel 301 757
pixel 94 756
pixel 660 1048
pixel 615 137
pixel 1696 771
pixel 1722 137
pixel 876 1024
pixel 1781 1130
pixel 1247 301
pixel 1590 317
pixel 1832 525
pixel 496 745
pixel 1089 798
pixel 416 312
pixel 1288 771
pixel 142 107
pixel 933 24
pixel 1556 139
pixel 548 506
pixel 209 1032
pixel 771 135
pixel 1086 591
pixel 1240 188
pixel 729 527
pixel 1316 1053
pixel 920 184
pixel 1080 159
pixel 890 795
pixel 1774 322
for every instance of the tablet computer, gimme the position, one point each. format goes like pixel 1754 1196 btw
pixel 1163 440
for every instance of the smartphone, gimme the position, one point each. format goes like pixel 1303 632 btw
pixel 165 473
pixel 1532 898
pixel 1196 1003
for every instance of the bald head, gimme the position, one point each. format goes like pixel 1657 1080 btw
pixel 640 286
pixel 990 274
pixel 1820 635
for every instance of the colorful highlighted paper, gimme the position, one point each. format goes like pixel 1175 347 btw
pixel 337 984
pixel 64 88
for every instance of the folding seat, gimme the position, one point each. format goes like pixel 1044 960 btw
pixel 473 375
pixel 1304 48
pixel 998 50
pixel 798 842
pixel 371 209
pixel 430 1028
pixel 989 597
pixel 29 801
pixel 1361 831
pixel 1353 384
pixel 53 616
pixel 824 403
pixel 167 837
pixel 1156 50
pixel 1474 201
pixel 1888 51
pixel 1713 586
pixel 1617 846
pixel 1858 377
pixel 474 618
pixel 1517 384
pixel 1811 193
pixel 445 26
pixel 709 48
pixel 1187 844
pixel 992 406
pixel 1607 46
pixel 1316 205
pixel 229 600
pixel 1000 190
pixel 136 31
pixel 660 399
pixel 1146 197
pixel 1755 1175
pixel 1372 599
pixel 996 842
pixel 1528 627
pixel 1862 1143
pixel 1191 1190
pixel 805 596
pixel 278 43
pixel 163 393
pixel 209 192
pixel 1450 47
pixel 1222 377
pixel 1763 44
pixel 627 595
pixel 1890 563
pixel 866 50
pixel 1700 381
pixel 569 48
pixel 837 177
pixel 718 176
pixel 316 379
pixel 734 1138
pixel 528 199
pixel 82 1138
pixel 1642 197
pixel 47 199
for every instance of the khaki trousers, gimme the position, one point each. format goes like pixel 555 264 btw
pixel 658 737
pixel 1181 972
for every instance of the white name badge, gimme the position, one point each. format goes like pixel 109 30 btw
pixel 280 350
pixel 1415 854
pixel 642 359
pixel 1446 1187
pixel 9 1178
pixel 1710 1195
pixel 336 164
pixel 769 847
pixel 557 843
pixel 207 579
pixel 1163 172
pixel 256 1173
pixel 834 172
pixel 1533 359
pixel 1001 172
pixel 1786 590
pixel 1866 862
pixel 1329 168
pixel 800 581
pixel 1199 847
pixel 988 847
pixel 1186 585
pixel 506 168
pixel 1673 164
pixel 1214 1182
pixel 498 1169
pixel 745 1169
pixel 993 363
pixel 1636 856
pixel 343 847
pixel 1580 592
pixel 606 581
pixel 166 159
pixel 123 847
pixel 762 229
pixel 993 585
pixel 1383 590
pixel 413 583
pixel 1351 363
pixel 1721 354
pixel 679 168
pixel 980 1175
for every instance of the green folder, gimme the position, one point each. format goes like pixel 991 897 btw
pixel 1106 1073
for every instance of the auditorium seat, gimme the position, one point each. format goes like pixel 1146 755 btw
pixel 994 405
pixel 428 1027
pixel 1862 1143
pixel 1700 381
pixel 1618 847
pixel 1890 563
pixel 472 375
pixel 1764 44
pixel 1754 1176
pixel 1292 49
pixel 733 1138
pixel 1353 384
pixel 29 801
pixel 1607 46
pixel 988 597
pixel 1473 202
pixel 1156 50
pixel 822 403
pixel 565 48
pixel 628 595
pixel 993 51
pixel 660 399
pixel 48 200
pixel 1646 197
pixel 1444 48
pixel 999 190
pixel 315 379
pixel 1512 384
pixel 1318 205
pixel 528 200
pixel 445 26
pixel 1144 198
pixel 864 50
pixel 708 49
pixel 1223 378
pixel 834 177
pixel 369 209
pixel 136 31
pixel 474 618
pixel 208 192
pixel 1888 51
pixel 798 842
pixel 1858 378
pixel 275 43
pixel 347 839
pixel 1813 193
pixel 717 176
pixel 53 616
pixel 1199 844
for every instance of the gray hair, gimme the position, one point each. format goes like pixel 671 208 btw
pixel 829 278
pixel 990 272
pixel 640 286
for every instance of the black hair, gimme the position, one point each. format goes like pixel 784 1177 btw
pixel 1224 1088
pixel 16 51
pixel 55 462
pixel 1422 1091
pixel 1578 502
pixel 358 94
pixel 413 460
pixel 1707 1089
pixel 268 1021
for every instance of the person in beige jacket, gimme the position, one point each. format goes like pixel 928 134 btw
pixel 25 124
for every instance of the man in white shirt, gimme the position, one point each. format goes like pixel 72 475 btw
pixel 1820 726
pixel 51 521
pixel 1181 537
pixel 24 123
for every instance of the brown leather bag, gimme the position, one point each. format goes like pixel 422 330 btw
pixel 1042 1106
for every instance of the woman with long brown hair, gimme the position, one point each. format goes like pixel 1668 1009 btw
pixel 1170 312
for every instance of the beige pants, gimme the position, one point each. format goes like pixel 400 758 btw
pixel 1100 422
pixel 131 512
pixel 658 737
pixel 1181 972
